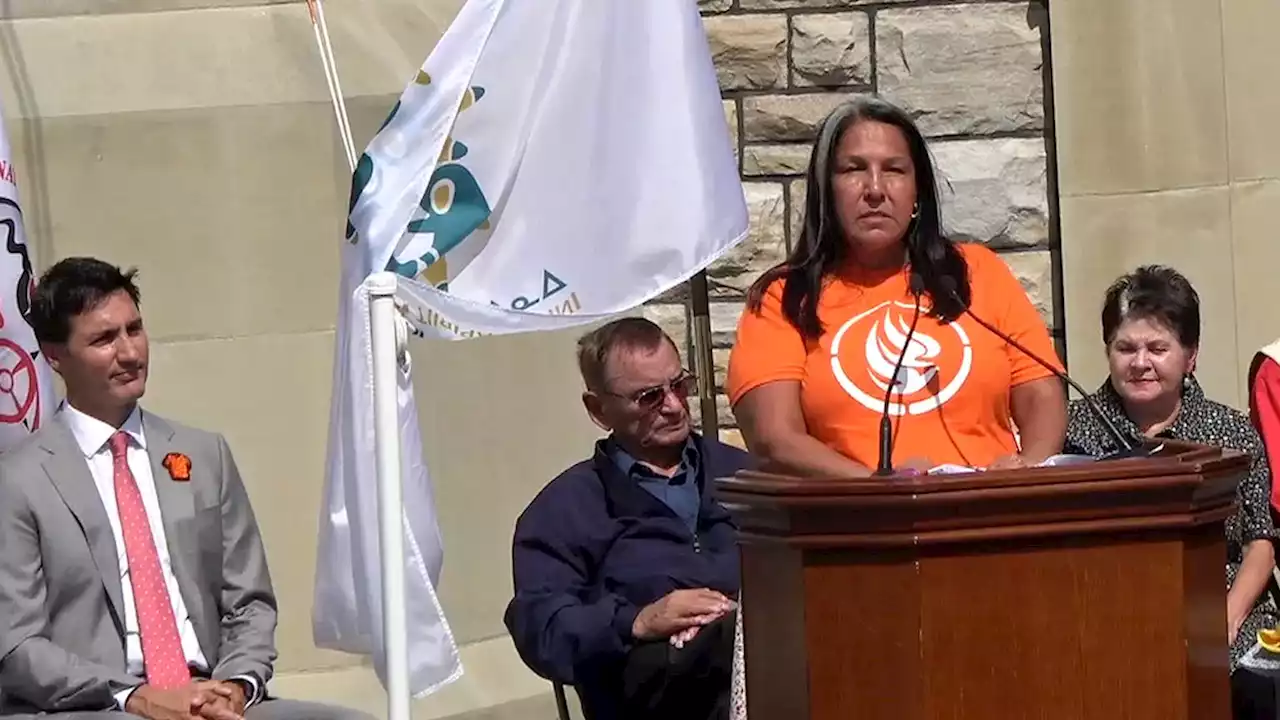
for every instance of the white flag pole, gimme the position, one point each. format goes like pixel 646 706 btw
pixel 387 345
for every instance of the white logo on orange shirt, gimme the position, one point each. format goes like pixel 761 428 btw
pixel 917 386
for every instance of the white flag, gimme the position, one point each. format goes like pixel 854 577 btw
pixel 26 381
pixel 552 164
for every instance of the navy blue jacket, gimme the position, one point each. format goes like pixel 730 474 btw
pixel 592 549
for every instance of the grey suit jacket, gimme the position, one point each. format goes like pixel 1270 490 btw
pixel 61 623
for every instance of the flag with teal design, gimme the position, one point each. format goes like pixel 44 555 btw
pixel 552 164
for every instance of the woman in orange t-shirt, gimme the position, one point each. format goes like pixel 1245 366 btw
pixel 817 348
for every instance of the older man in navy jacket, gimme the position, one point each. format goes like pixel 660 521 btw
pixel 625 567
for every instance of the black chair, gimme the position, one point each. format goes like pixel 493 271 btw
pixel 562 703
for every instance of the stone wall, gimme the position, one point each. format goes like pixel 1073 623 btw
pixel 971 75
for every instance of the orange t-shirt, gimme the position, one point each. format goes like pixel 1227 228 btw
pixel 953 402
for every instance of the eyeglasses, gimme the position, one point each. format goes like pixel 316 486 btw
pixel 651 398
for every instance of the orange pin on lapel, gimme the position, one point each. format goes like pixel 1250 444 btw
pixel 179 466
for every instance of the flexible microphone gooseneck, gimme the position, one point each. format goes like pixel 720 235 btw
pixel 885 465
pixel 1129 450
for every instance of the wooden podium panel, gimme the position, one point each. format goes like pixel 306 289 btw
pixel 1088 592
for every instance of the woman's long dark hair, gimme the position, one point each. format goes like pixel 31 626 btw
pixel 822 248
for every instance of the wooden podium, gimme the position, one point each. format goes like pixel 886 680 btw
pixel 1087 592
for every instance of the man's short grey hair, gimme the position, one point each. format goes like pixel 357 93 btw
pixel 628 333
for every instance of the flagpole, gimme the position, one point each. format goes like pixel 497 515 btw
pixel 386 349
pixel 703 359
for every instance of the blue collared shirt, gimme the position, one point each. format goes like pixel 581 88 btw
pixel 678 492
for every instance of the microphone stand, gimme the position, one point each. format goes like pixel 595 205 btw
pixel 1128 449
pixel 885 465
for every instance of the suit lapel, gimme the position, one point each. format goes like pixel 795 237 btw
pixel 177 511
pixel 69 472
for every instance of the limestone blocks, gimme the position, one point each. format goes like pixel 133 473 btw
pixel 994 191
pixel 969 69
pixel 750 51
pixel 830 49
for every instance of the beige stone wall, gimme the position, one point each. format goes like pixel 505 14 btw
pixel 1166 115
pixel 972 76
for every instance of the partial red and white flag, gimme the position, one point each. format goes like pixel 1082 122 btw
pixel 26 381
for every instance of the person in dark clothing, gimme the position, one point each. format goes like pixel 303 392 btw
pixel 625 566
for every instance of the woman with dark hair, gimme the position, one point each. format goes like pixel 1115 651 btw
pixel 1151 331
pixel 817 353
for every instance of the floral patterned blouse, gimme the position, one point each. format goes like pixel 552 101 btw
pixel 1201 420
pixel 738 690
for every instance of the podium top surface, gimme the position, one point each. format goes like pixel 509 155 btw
pixel 1181 486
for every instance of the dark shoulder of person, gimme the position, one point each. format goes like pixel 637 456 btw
pixel 578 490
pixel 723 460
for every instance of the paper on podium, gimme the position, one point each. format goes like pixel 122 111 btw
pixel 1051 461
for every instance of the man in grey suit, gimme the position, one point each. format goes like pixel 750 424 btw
pixel 132 574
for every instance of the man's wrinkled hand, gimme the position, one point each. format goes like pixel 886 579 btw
pixel 678 611
pixel 193 701
pixel 679 639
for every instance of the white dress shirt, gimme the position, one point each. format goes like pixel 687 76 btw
pixel 92 435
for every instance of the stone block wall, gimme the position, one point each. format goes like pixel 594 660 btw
pixel 972 76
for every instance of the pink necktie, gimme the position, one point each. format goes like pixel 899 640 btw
pixel 165 663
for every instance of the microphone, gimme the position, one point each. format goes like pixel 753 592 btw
pixel 1129 450
pixel 885 465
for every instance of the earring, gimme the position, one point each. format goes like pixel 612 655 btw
pixel 1186 382
pixel 915 211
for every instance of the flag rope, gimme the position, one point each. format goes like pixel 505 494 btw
pixel 316 10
